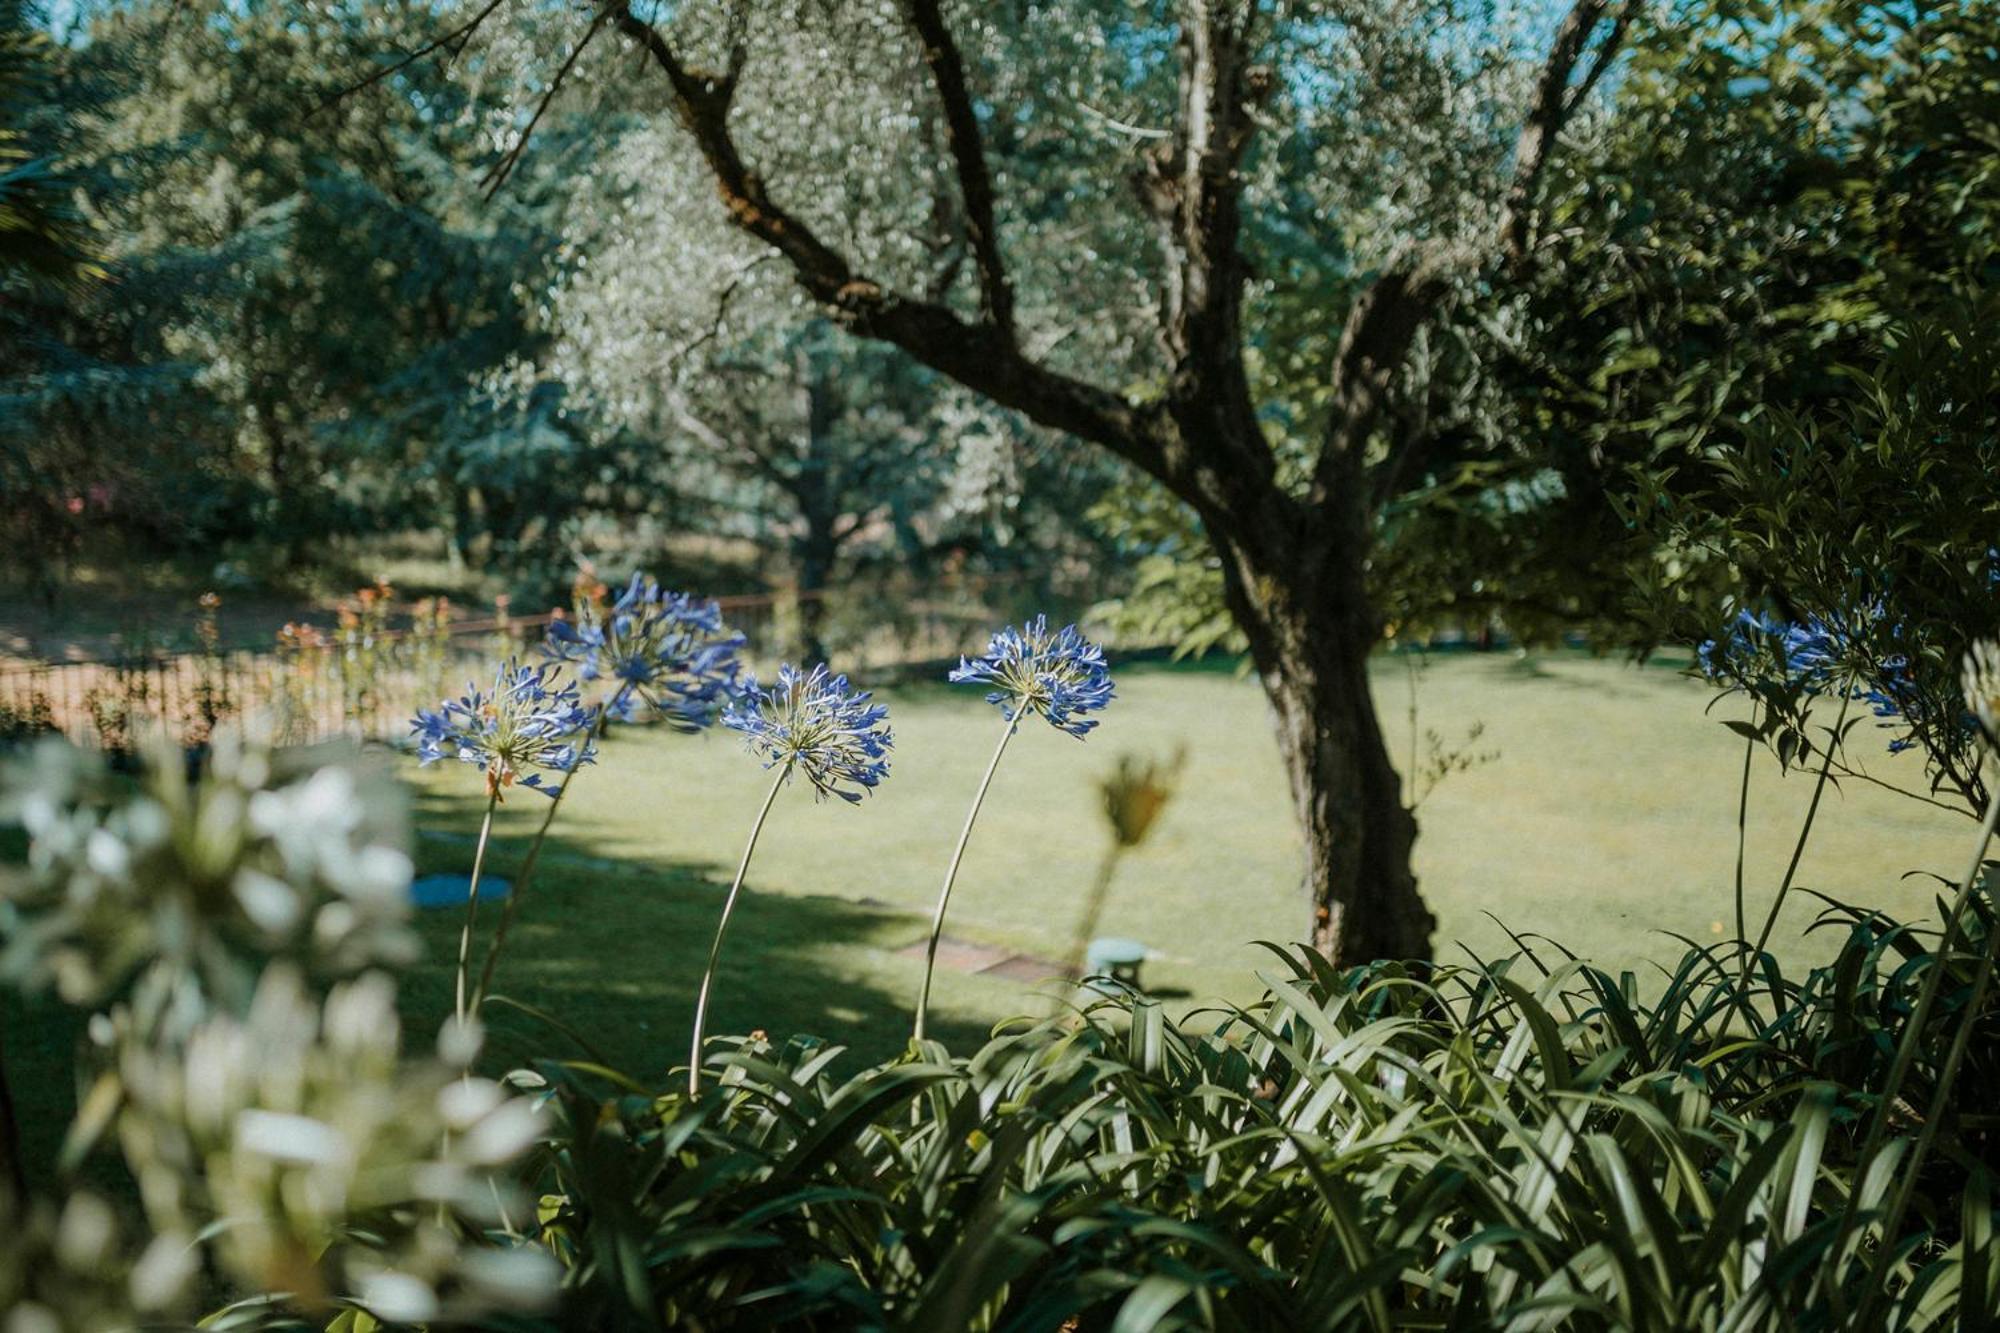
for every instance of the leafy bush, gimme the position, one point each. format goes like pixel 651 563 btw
pixel 1500 1146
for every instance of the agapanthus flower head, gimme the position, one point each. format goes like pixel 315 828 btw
pixel 1059 675
pixel 1860 646
pixel 818 725
pixel 531 720
pixel 1981 676
pixel 1803 655
pixel 654 649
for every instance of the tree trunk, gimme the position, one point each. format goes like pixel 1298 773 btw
pixel 1311 632
pixel 815 556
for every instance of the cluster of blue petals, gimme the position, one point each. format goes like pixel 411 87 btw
pixel 1060 676
pixel 658 650
pixel 1808 656
pixel 816 724
pixel 530 720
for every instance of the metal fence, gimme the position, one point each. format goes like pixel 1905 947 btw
pixel 366 679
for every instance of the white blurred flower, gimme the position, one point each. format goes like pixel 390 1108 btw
pixel 1981 676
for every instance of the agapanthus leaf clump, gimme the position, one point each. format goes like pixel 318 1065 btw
pixel 1059 676
pixel 655 650
pixel 531 720
pixel 815 723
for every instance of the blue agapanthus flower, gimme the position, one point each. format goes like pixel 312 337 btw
pixel 655 649
pixel 1809 656
pixel 531 720
pixel 815 723
pixel 1755 646
pixel 1060 676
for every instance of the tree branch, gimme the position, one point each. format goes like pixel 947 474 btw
pixel 968 155
pixel 1374 343
pixel 462 31
pixel 1549 109
pixel 504 168
pixel 1192 185
pixel 976 355
pixel 1381 325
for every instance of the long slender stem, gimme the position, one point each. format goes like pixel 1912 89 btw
pixel 1799 847
pixel 1013 724
pixel 472 904
pixel 1906 1054
pixel 715 949
pixel 1093 910
pixel 1742 835
pixel 528 863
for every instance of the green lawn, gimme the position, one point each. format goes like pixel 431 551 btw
pixel 1607 821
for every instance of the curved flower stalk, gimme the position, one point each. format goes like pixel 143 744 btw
pixel 812 723
pixel 659 652
pixel 1135 793
pixel 531 720
pixel 1058 677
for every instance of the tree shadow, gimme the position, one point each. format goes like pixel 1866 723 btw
pixel 612 948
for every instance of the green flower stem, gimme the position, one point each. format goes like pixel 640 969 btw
pixel 1906 1054
pixel 1013 724
pixel 528 863
pixel 1799 847
pixel 1742 835
pixel 715 949
pixel 1093 911
pixel 472 904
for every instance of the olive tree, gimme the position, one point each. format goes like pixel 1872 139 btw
pixel 1108 219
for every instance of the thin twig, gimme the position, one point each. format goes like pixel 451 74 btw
pixel 504 168
pixel 463 30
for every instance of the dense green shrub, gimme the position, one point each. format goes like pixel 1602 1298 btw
pixel 1506 1146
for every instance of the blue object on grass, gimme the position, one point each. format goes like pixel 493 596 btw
pixel 1116 958
pixel 449 890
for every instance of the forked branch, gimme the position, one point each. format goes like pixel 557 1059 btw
pixel 976 354
pixel 968 155
pixel 1383 322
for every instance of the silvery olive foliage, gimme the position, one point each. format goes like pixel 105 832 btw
pixel 235 935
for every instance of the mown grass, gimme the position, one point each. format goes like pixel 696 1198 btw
pixel 1606 822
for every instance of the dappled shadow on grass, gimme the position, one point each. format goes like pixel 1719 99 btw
pixel 613 948
pixel 1545 669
